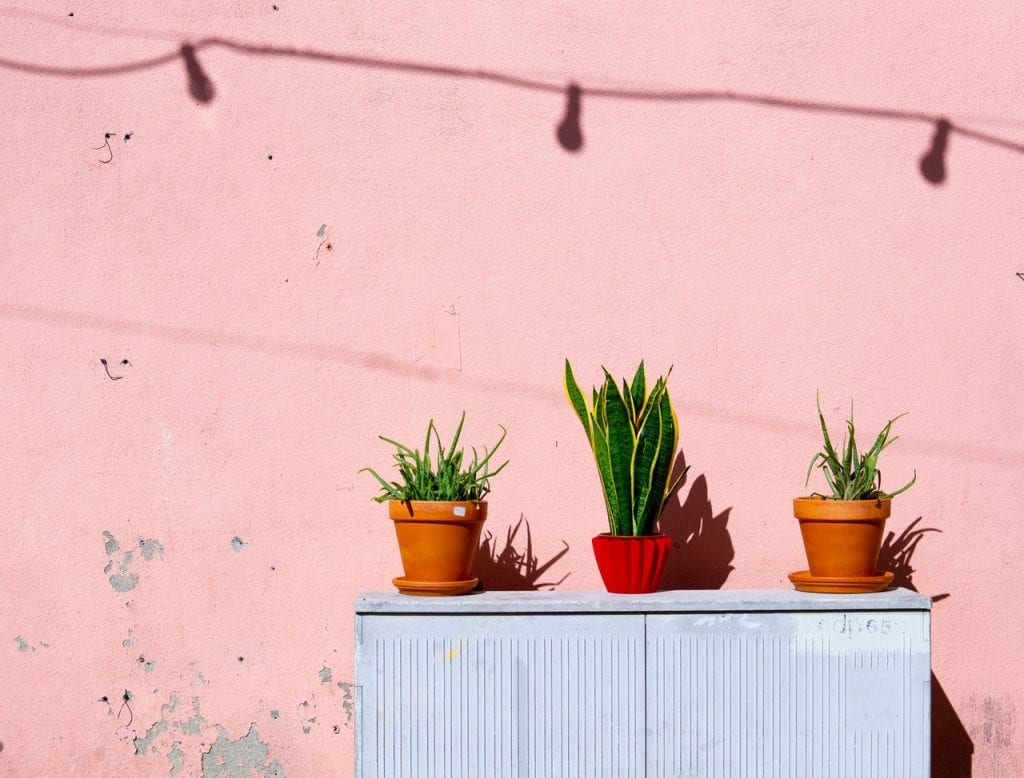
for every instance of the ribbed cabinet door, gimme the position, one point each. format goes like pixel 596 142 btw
pixel 482 696
pixel 815 694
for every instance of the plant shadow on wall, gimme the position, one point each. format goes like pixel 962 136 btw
pixel 702 549
pixel 897 554
pixel 515 567
pixel 952 747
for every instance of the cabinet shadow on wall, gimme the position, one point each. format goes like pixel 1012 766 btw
pixel 515 566
pixel 702 550
pixel 952 747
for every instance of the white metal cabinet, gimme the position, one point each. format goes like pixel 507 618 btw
pixel 713 683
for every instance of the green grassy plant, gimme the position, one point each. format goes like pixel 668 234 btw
pixel 633 435
pixel 854 476
pixel 451 479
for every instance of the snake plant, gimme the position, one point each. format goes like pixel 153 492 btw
pixel 450 481
pixel 633 434
pixel 855 476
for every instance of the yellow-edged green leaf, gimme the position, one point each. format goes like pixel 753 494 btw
pixel 572 391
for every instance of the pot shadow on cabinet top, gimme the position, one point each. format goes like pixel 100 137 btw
pixel 702 551
pixel 516 566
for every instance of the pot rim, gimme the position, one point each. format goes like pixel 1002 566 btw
pixel 823 509
pixel 438 511
pixel 610 536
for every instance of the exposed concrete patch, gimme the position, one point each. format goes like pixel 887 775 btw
pixel 347 703
pixel 124 583
pixel 169 722
pixel 151 547
pixel 25 647
pixel 240 758
pixel 304 709
pixel 325 675
pixel 124 580
pixel 275 714
pixel 176 756
pixel 237 544
pixel 111 546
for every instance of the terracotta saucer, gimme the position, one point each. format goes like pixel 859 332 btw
pixel 434 588
pixel 805 582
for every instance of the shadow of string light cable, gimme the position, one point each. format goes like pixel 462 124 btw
pixel 569 131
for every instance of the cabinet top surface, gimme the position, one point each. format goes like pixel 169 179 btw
pixel 681 601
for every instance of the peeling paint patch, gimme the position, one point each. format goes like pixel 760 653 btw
pixel 240 758
pixel 326 675
pixel 237 544
pixel 346 701
pixel 25 647
pixel 169 722
pixel 176 756
pixel 111 546
pixel 307 723
pixel 125 579
pixel 128 642
pixel 151 547
pixel 124 583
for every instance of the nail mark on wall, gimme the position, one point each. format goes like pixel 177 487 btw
pixel 237 544
pixel 326 244
pixel 125 699
pixel 106 145
pixel 124 363
pixel 239 758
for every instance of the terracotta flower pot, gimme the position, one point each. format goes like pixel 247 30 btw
pixel 437 540
pixel 842 538
pixel 631 564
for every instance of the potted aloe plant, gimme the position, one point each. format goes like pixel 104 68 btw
pixel 633 434
pixel 438 510
pixel 842 530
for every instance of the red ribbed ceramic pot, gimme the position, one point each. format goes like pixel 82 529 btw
pixel 631 564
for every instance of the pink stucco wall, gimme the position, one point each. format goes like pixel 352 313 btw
pixel 195 532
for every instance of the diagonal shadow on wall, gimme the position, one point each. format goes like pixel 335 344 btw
pixel 702 550
pixel 516 566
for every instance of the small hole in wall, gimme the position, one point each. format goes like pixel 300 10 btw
pixel 337 729
pixel 270 156
pixel 104 698
pixel 329 247
pixel 142 659
pixel 273 568
pixel 241 659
